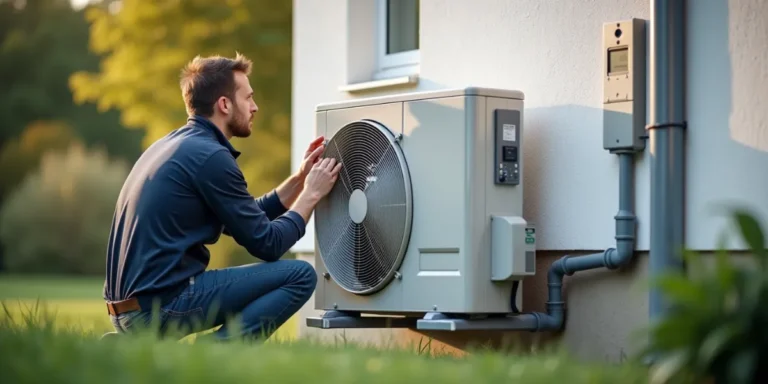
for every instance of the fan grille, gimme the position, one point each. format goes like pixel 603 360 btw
pixel 363 225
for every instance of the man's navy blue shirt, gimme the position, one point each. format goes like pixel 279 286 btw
pixel 183 193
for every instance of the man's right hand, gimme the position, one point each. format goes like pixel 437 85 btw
pixel 322 177
pixel 318 184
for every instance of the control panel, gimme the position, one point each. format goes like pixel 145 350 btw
pixel 507 146
pixel 623 73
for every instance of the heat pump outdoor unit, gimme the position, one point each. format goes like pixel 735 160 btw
pixel 427 215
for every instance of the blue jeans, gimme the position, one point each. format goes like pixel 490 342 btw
pixel 261 297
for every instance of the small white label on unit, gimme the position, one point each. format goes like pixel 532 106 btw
pixel 508 132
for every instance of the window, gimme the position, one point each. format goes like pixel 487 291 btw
pixel 398 37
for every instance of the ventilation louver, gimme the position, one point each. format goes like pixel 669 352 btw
pixel 367 215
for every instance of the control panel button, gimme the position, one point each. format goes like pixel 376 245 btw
pixel 506 147
pixel 509 153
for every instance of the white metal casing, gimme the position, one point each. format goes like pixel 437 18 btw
pixel 448 143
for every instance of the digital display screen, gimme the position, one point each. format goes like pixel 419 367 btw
pixel 618 60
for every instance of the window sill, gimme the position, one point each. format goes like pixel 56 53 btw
pixel 393 82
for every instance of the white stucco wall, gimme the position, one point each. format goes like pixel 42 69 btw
pixel 551 50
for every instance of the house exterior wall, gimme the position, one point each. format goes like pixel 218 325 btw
pixel 551 51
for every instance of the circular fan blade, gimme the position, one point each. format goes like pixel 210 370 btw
pixel 363 225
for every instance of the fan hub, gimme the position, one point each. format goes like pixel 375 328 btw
pixel 358 206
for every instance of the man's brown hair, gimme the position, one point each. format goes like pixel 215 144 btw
pixel 205 79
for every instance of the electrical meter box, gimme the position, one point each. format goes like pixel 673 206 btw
pixel 624 78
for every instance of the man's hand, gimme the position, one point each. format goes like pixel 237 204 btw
pixel 311 157
pixel 319 182
pixel 288 191
pixel 322 177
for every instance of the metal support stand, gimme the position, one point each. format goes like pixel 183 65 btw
pixel 436 321
pixel 339 319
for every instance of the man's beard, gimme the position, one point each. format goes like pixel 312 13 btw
pixel 239 126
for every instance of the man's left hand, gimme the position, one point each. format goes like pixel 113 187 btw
pixel 311 156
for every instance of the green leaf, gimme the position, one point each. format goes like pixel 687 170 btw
pixel 694 265
pixel 681 291
pixel 669 367
pixel 725 273
pixel 752 233
pixel 715 343
pixel 675 331
pixel 742 366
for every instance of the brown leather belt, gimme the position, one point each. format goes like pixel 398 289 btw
pixel 117 307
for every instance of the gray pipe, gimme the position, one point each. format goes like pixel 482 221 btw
pixel 667 146
pixel 667 143
pixel 611 258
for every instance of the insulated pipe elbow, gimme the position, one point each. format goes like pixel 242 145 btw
pixel 548 322
pixel 622 254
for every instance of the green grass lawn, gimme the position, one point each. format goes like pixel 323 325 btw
pixel 74 301
pixel 40 351
pixel 50 287
pixel 66 347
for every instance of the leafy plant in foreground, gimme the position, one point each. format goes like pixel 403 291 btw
pixel 716 331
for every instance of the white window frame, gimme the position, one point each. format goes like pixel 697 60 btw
pixel 396 64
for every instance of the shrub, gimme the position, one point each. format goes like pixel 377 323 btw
pixel 716 331
pixel 58 219
pixel 22 155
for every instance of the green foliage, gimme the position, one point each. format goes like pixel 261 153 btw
pixel 20 156
pixel 58 220
pixel 717 330
pixel 145 45
pixel 42 43
pixel 71 357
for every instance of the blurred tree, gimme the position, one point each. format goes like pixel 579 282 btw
pixel 146 44
pixel 22 155
pixel 58 220
pixel 42 42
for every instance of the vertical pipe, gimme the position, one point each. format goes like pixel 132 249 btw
pixel 625 217
pixel 626 181
pixel 667 143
